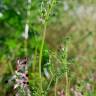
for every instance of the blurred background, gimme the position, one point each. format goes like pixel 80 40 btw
pixel 75 19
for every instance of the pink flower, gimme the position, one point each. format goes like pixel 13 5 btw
pixel 61 93
pixel 88 87
pixel 21 77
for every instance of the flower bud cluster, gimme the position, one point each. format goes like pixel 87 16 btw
pixel 21 77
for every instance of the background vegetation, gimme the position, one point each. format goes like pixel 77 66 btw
pixel 67 61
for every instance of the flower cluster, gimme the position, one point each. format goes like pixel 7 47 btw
pixel 61 93
pixel 21 78
pixel 76 92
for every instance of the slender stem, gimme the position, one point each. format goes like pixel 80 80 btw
pixel 40 58
pixel 12 58
pixel 56 87
pixel 34 61
pixel 67 84
pixel 25 47
pixel 66 73
pixel 65 64
pixel 10 66
pixel 42 44
pixel 50 9
pixel 27 27
pixel 50 83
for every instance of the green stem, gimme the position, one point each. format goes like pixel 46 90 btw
pixel 40 57
pixel 56 87
pixel 49 84
pixel 67 84
pixel 25 47
pixel 34 61
pixel 42 44
pixel 27 22
pixel 10 67
pixel 67 69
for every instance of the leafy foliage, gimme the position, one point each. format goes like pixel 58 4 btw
pixel 69 68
